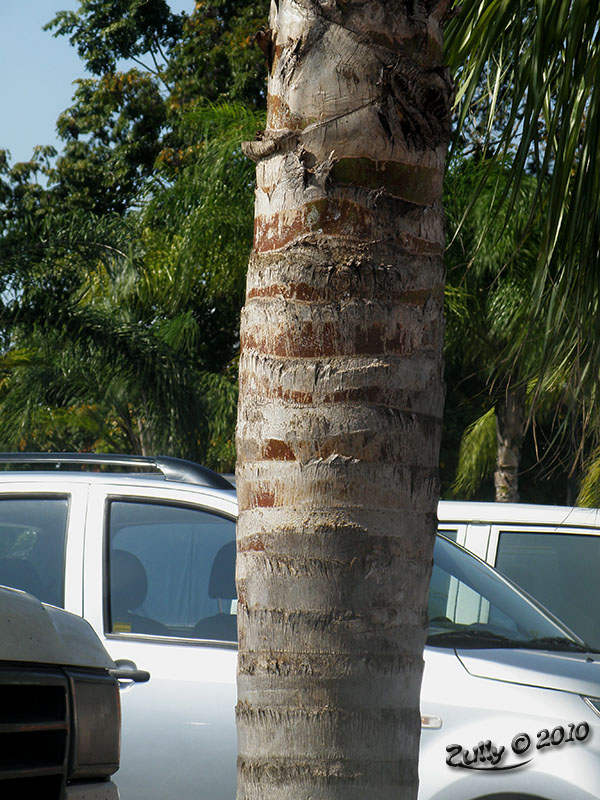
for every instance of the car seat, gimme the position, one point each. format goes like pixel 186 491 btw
pixel 221 587
pixel 128 590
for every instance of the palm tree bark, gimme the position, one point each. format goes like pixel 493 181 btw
pixel 510 429
pixel 341 399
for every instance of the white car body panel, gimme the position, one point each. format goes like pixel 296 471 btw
pixel 92 791
pixel 179 727
pixel 499 711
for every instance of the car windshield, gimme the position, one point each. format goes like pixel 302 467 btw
pixel 470 605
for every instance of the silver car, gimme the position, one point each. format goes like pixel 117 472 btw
pixel 509 700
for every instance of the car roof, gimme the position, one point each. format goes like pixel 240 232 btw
pixel 168 467
pixel 62 471
pixel 175 472
pixel 28 483
pixel 517 513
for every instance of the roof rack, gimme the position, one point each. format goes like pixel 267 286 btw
pixel 173 469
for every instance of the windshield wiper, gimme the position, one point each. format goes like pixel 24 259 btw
pixel 555 643
pixel 472 637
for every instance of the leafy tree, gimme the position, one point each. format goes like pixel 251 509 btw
pixel 529 68
pixel 491 261
pixel 121 123
pixel 106 31
pixel 216 58
pixel 138 340
pixel 124 255
pixel 113 136
pixel 540 60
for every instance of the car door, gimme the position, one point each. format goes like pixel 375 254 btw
pixel 41 539
pixel 158 578
pixel 558 566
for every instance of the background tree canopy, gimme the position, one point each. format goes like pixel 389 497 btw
pixel 122 257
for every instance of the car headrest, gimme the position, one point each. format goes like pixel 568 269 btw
pixel 128 581
pixel 222 577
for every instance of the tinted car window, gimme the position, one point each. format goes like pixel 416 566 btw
pixel 32 545
pixel 172 571
pixel 470 605
pixel 561 571
pixel 449 533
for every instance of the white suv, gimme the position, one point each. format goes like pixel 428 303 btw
pixel 148 560
pixel 144 559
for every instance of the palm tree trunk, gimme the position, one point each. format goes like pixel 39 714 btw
pixel 510 429
pixel 340 401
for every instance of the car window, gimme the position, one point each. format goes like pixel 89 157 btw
pixel 171 571
pixel 32 545
pixel 561 571
pixel 448 532
pixel 471 605
pixel 453 601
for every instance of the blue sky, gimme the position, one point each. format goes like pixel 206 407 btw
pixel 36 75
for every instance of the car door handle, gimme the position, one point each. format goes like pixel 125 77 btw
pixel 128 671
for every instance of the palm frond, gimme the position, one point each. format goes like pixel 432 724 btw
pixel 589 488
pixel 477 455
pixel 541 61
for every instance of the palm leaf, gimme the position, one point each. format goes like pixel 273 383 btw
pixel 477 455
pixel 541 61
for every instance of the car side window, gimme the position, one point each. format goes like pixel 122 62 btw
pixel 32 545
pixel 448 532
pixel 171 571
pixel 560 570
pixel 453 602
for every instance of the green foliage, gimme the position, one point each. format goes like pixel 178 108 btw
pixel 23 199
pixel 589 489
pixel 540 61
pixel 123 257
pixel 124 330
pixel 216 58
pixel 491 259
pixel 208 55
pixel 122 126
pixel 490 343
pixel 522 298
pixel 112 137
pixel 477 455
pixel 105 31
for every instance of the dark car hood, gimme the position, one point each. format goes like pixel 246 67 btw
pixel 42 634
